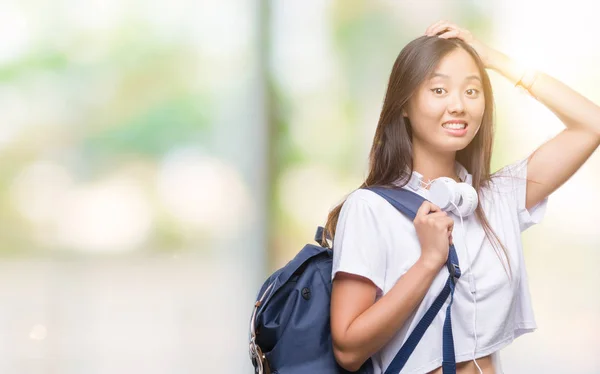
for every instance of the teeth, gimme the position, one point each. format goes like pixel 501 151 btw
pixel 454 126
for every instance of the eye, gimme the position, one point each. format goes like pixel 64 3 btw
pixel 472 92
pixel 438 91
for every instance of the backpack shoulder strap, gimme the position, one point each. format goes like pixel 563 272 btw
pixel 405 201
pixel 408 203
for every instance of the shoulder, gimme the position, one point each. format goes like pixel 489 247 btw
pixel 366 197
pixel 366 208
pixel 368 201
pixel 360 207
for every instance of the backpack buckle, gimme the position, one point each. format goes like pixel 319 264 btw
pixel 257 357
pixel 454 271
pixel 259 361
pixel 321 238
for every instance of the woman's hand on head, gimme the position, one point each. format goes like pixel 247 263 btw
pixel 447 30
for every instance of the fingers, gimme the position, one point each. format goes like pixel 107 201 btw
pixel 439 26
pixel 429 212
pixel 437 218
pixel 444 223
pixel 432 27
pixel 436 215
pixel 450 34
pixel 443 26
pixel 426 208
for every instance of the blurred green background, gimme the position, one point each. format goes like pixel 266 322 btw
pixel 159 159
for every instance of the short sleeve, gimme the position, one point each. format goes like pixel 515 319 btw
pixel 357 248
pixel 513 179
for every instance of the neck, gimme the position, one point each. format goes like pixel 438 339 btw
pixel 434 165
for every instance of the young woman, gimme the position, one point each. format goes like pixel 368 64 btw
pixel 437 121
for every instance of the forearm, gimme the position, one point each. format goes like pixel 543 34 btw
pixel 369 332
pixel 572 108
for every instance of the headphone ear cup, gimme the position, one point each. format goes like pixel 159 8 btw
pixel 443 193
pixel 469 200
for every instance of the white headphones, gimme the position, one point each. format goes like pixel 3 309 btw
pixel 450 196
pixel 460 198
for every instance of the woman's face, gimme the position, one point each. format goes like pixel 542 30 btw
pixel 446 111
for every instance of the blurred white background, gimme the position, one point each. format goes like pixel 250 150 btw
pixel 159 159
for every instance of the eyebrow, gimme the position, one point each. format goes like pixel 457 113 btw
pixel 434 75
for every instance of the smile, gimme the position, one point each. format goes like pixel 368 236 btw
pixel 455 125
pixel 455 128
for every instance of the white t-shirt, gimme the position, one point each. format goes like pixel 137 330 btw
pixel 377 242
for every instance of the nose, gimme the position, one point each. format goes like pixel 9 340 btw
pixel 456 104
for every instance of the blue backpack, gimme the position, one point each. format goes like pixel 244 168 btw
pixel 289 327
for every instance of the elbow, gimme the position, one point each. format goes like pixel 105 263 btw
pixel 349 361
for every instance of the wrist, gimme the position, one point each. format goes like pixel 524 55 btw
pixel 430 263
pixel 528 78
pixel 497 61
pixel 510 69
pixel 489 57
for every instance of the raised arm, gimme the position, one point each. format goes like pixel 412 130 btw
pixel 555 161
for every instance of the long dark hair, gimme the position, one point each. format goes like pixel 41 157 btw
pixel 391 159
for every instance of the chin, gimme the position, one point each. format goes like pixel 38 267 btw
pixel 454 146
